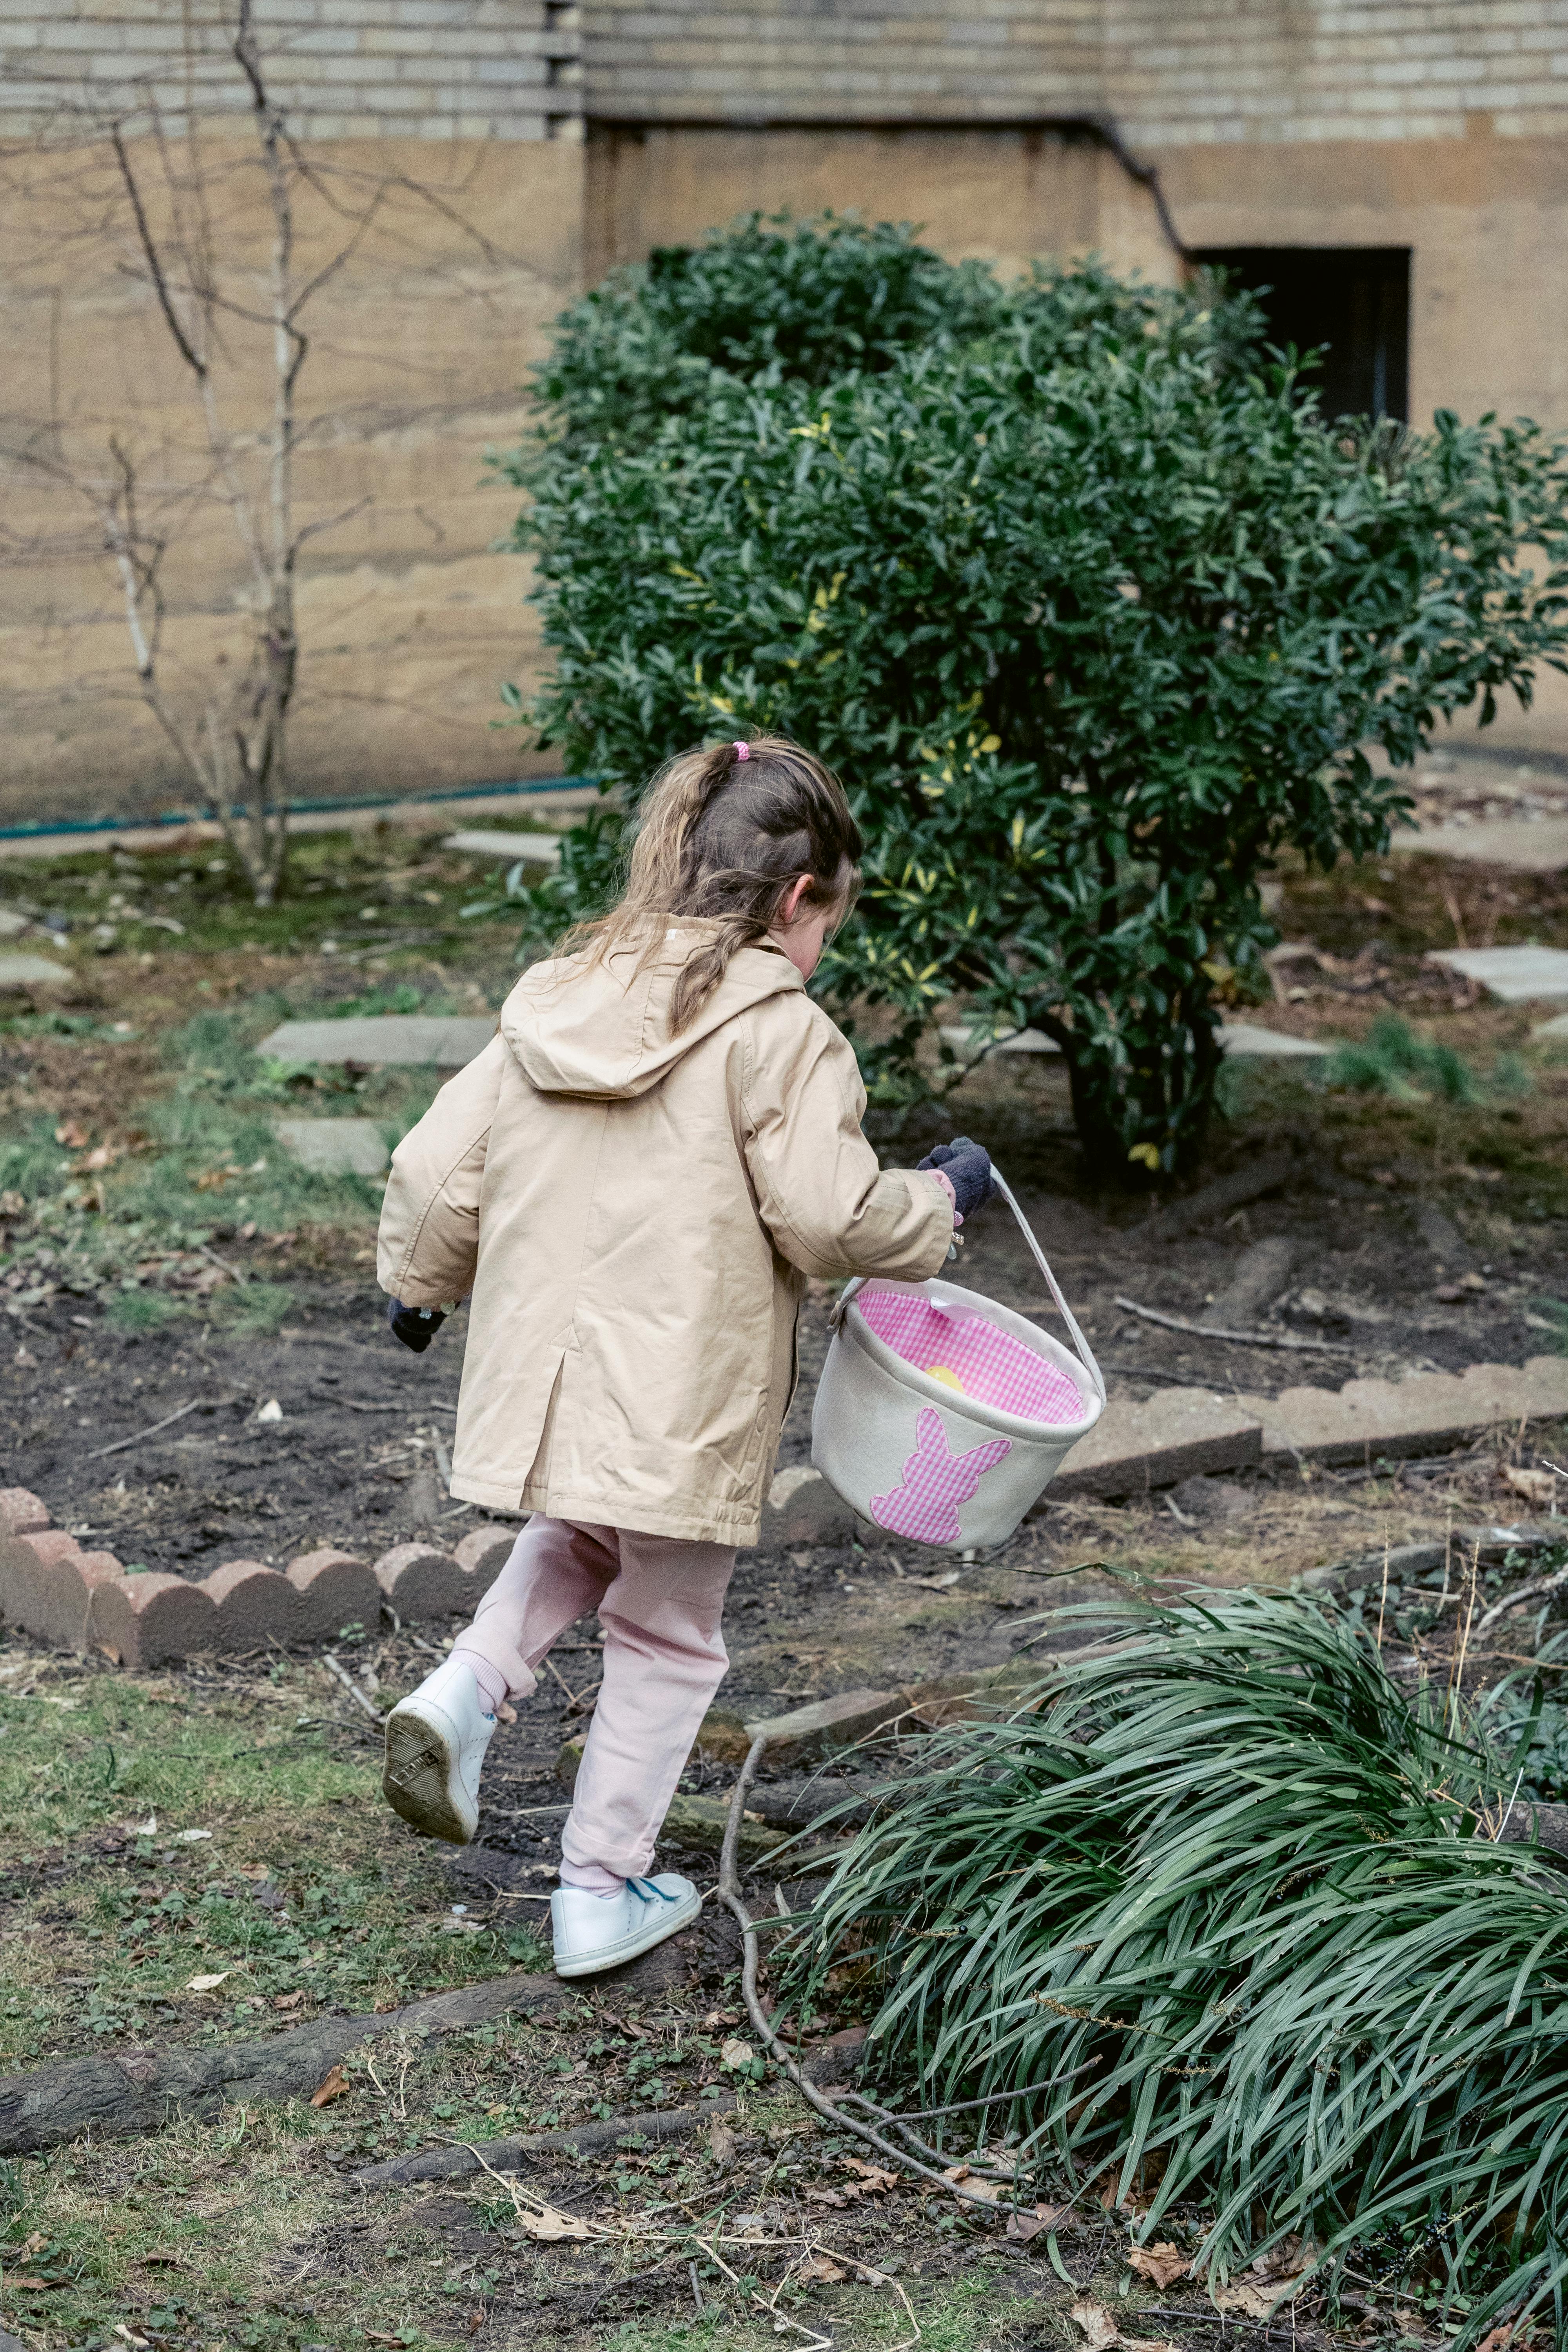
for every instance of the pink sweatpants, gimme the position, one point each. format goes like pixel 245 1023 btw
pixel 658 1600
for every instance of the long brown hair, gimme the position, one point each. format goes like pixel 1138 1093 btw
pixel 721 834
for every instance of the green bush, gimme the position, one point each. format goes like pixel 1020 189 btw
pixel 1090 608
pixel 1226 1920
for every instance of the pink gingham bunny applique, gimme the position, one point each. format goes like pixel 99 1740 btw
pixel 935 1481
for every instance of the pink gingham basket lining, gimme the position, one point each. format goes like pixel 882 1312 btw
pixel 991 1366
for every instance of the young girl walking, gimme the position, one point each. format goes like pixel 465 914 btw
pixel 633 1181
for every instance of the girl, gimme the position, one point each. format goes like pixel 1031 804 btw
pixel 634 1179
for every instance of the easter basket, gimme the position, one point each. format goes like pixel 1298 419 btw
pixel 942 1415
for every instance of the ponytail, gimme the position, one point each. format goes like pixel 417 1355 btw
pixel 721 834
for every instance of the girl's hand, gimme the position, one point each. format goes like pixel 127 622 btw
pixel 415 1326
pixel 967 1167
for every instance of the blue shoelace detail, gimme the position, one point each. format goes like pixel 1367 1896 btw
pixel 648 1891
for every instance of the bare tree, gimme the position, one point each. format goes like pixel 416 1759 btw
pixel 231 736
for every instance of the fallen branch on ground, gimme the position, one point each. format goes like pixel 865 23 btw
pixel 1290 1340
pixel 504 2154
pixel 1537 1590
pixel 141 2090
pixel 120 1444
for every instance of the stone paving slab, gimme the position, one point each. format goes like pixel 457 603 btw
pixel 447 1041
pixel 1520 845
pixel 532 848
pixel 1396 1418
pixel 1514 975
pixel 19 970
pixel 1180 1434
pixel 334 1146
pixel 1243 1039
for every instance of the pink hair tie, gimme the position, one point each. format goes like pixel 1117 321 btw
pixel 742 750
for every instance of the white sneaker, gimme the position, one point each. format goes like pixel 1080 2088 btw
pixel 600 1931
pixel 436 1743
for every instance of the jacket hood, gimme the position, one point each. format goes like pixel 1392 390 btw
pixel 603 1029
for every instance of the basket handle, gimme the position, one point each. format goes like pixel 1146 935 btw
pixel 1084 1351
pixel 1081 1347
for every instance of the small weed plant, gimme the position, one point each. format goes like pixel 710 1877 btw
pixel 1395 1061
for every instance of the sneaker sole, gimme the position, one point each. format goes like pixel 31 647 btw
pixel 416 1779
pixel 672 1917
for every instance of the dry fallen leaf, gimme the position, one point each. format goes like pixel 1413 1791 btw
pixel 972 2184
pixel 1099 2330
pixel 1537 1486
pixel 1164 2264
pixel 1022 2227
pixel 208 1983
pixel 820 2268
pixel 335 2087
pixel 875 2176
pixel 826 2197
pixel 1254 2298
pixel 289 1999
pixel 1497 2341
pixel 550 2226
pixel 735 2054
pixel 722 2143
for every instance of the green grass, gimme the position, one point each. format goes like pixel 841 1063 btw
pixel 279 1784
pixel 1228 1902
pixel 1395 1061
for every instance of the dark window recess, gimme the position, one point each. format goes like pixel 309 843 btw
pixel 1355 301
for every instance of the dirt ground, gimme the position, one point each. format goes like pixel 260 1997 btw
pixel 1426 1232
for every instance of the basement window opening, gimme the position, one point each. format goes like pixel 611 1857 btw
pixel 1351 304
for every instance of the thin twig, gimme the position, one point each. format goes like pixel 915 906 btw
pixel 1533 1591
pixel 1289 1340
pixel 729 1893
pixel 120 1444
pixel 350 1684
pixel 233 1272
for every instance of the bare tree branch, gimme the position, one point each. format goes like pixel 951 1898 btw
pixel 188 351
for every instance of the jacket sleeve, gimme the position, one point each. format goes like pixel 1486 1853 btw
pixel 829 1207
pixel 429 1239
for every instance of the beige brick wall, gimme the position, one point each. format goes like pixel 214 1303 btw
pixel 1170 71
pixel 348 69
pixel 1196 72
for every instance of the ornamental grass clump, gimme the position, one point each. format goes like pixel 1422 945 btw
pixel 1227 1915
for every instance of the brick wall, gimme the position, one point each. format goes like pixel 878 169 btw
pixel 1171 72
pixel 349 69
pixel 1192 72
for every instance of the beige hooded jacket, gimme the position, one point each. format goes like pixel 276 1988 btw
pixel 636 1215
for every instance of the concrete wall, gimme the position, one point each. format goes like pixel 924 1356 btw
pixel 1437 124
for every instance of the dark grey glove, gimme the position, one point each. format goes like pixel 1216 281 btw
pixel 967 1167
pixel 415 1326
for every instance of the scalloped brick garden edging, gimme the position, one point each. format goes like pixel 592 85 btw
pixel 76 1600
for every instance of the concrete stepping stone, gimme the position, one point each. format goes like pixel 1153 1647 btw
pixel 1514 975
pixel 1420 1415
pixel 1522 845
pixel 1556 1027
pixel 1243 1039
pixel 19 970
pixel 449 1042
pixel 334 1146
pixel 1180 1434
pixel 532 848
